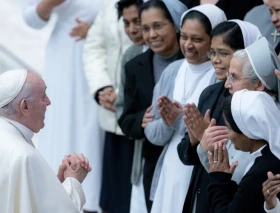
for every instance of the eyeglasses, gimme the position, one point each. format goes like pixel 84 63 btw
pixel 233 79
pixel 155 26
pixel 220 54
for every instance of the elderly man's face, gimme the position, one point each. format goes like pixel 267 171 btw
pixel 236 79
pixel 274 8
pixel 38 105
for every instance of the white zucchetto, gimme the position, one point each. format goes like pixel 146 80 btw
pixel 258 117
pixel 11 83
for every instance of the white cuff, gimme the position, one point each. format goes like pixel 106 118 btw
pixel 32 18
pixel 75 191
pixel 274 210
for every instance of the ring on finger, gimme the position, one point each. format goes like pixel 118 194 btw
pixel 268 192
pixel 215 161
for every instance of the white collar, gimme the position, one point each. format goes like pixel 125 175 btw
pixel 144 48
pixel 258 153
pixel 27 133
pixel 254 155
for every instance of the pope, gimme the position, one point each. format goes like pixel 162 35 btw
pixel 27 183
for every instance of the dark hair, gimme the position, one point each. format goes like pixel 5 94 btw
pixel 122 4
pixel 227 114
pixel 158 4
pixel 231 34
pixel 201 18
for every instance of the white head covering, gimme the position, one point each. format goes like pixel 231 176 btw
pixel 212 12
pixel 257 116
pixel 11 83
pixel 264 61
pixel 250 32
pixel 176 9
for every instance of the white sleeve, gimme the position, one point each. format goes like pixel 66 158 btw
pixel 274 210
pixel 75 191
pixel 31 16
pixel 95 56
pixel 203 157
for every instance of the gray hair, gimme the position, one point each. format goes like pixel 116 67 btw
pixel 246 66
pixel 11 108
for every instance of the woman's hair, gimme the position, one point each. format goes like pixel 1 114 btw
pixel 246 66
pixel 226 108
pixel 157 4
pixel 122 4
pixel 201 18
pixel 230 33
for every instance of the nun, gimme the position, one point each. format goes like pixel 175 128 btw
pixel 253 120
pixel 183 81
pixel 227 37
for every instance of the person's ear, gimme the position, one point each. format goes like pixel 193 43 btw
pixel 23 107
pixel 260 86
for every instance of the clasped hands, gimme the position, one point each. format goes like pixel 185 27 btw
pixel 74 165
pixel 107 98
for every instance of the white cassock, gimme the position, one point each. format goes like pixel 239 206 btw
pixel 71 123
pixel 27 183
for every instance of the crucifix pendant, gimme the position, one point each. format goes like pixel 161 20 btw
pixel 275 34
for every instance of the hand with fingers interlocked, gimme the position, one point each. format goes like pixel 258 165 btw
pixel 212 135
pixel 195 122
pixel 168 110
pixel 271 187
pixel 74 165
pixel 219 161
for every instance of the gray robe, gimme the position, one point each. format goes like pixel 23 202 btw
pixel 157 131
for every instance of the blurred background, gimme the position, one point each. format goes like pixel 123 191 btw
pixel 20 45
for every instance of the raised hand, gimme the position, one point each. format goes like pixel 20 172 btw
pixel 219 161
pixel 212 135
pixel 169 110
pixel 53 3
pixel 80 31
pixel 45 8
pixel 188 124
pixel 271 187
pixel 148 117
pixel 196 123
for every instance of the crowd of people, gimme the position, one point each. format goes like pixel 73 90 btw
pixel 157 106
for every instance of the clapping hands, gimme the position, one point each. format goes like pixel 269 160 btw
pixel 168 110
pixel 219 161
pixel 195 123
